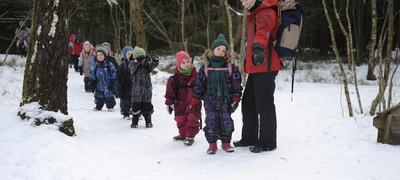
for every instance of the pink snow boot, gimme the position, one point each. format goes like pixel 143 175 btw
pixel 212 148
pixel 227 147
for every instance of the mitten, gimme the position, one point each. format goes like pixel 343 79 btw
pixel 234 103
pixel 170 108
pixel 258 54
pixel 195 104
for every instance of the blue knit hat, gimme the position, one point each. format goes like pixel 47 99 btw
pixel 220 41
pixel 125 50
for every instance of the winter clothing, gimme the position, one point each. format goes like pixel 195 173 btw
pixel 141 94
pixel 262 63
pixel 219 124
pixel 85 60
pixel 23 38
pixel 103 50
pixel 138 51
pixel 179 96
pixel 75 48
pixel 261 28
pixel 102 76
pixel 220 41
pixel 123 87
pixel 180 56
pixel 258 99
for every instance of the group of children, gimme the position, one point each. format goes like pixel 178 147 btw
pixel 217 84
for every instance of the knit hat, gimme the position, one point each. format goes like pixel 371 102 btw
pixel 220 41
pixel 180 56
pixel 138 51
pixel 125 50
pixel 102 49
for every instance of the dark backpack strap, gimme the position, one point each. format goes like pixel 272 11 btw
pixel 176 85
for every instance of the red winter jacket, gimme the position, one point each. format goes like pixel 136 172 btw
pixel 185 95
pixel 261 25
pixel 74 48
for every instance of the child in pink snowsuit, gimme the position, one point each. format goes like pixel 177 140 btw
pixel 178 98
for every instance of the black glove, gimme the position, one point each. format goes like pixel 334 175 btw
pixel 155 59
pixel 92 85
pixel 258 54
pixel 81 70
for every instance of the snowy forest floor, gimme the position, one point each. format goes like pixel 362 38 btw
pixel 316 140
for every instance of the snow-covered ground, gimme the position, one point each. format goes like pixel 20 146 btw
pixel 316 140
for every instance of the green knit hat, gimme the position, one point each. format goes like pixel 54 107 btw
pixel 138 51
pixel 220 41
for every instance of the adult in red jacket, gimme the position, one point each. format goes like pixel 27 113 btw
pixel 75 47
pixel 262 63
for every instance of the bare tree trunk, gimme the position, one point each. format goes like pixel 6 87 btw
pixel 183 39
pixel 389 103
pixel 116 27
pixel 208 24
pixel 230 31
pixel 155 20
pixel 242 55
pixel 136 7
pixel 354 63
pixel 342 72
pixel 46 70
pixel 372 43
pixel 378 99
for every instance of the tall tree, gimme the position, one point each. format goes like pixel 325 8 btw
pixel 46 70
pixel 338 59
pixel 136 7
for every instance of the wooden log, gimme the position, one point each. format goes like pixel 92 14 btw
pixel 386 131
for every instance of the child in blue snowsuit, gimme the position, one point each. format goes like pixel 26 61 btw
pixel 218 84
pixel 102 77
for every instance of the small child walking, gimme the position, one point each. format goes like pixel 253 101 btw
pixel 85 60
pixel 218 84
pixel 178 97
pixel 140 68
pixel 102 77
pixel 123 83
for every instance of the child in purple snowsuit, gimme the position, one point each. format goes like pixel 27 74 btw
pixel 218 84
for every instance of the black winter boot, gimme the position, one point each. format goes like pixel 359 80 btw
pixel 135 120
pixel 147 118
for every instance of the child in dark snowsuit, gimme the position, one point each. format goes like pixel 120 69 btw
pixel 178 96
pixel 102 77
pixel 140 68
pixel 218 84
pixel 123 83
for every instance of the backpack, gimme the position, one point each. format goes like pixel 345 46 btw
pixel 228 68
pixel 290 29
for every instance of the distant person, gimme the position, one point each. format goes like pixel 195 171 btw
pixel 140 68
pixel 123 82
pixel 179 95
pixel 75 47
pixel 23 38
pixel 85 59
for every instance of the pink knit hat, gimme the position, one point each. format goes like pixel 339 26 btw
pixel 180 56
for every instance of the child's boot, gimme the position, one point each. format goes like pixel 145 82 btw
pixel 212 148
pixel 188 141
pixel 135 120
pixel 147 118
pixel 227 147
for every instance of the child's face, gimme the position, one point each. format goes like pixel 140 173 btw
pixel 100 56
pixel 186 64
pixel 220 51
pixel 128 55
pixel 87 47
